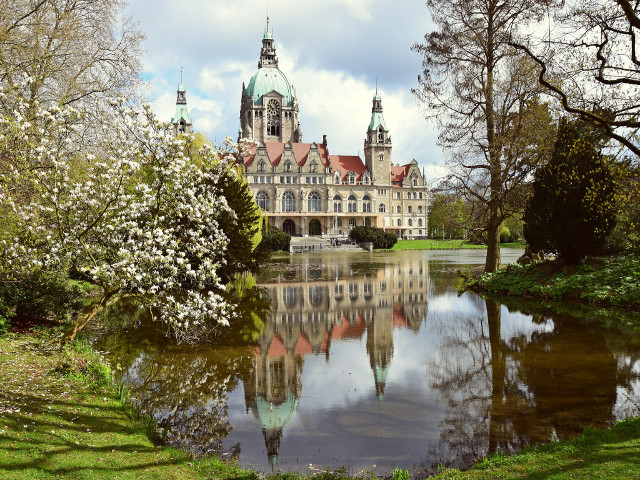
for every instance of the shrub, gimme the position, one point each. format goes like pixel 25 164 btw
pixel 275 239
pixel 377 236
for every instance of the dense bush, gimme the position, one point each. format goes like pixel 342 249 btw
pixel 574 202
pixel 275 239
pixel 377 236
pixel 39 298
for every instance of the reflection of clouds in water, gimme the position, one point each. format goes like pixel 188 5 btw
pixel 347 374
pixel 516 325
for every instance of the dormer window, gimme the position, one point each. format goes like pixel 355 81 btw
pixel 365 178
pixel 337 179
pixel 352 178
pixel 261 166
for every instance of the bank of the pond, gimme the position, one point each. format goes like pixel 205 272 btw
pixel 607 280
pixel 57 419
pixel 444 245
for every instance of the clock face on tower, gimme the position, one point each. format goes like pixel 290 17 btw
pixel 273 108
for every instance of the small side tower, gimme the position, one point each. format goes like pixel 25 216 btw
pixel 181 122
pixel 377 145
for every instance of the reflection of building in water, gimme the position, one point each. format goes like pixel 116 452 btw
pixel 306 317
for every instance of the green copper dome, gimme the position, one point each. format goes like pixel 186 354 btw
pixel 267 79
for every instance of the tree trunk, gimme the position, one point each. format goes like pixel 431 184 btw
pixel 497 420
pixel 492 262
pixel 84 318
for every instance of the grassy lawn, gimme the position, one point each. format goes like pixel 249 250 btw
pixel 444 245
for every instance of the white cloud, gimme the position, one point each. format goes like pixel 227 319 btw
pixel 331 50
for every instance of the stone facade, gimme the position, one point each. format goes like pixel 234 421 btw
pixel 303 189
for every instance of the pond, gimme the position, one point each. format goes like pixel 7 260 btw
pixel 372 362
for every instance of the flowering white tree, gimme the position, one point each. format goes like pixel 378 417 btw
pixel 127 208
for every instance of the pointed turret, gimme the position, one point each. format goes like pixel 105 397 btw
pixel 268 56
pixel 181 121
pixel 377 144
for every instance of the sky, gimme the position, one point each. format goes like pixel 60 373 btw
pixel 333 51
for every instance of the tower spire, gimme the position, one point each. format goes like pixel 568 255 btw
pixel 268 56
pixel 181 121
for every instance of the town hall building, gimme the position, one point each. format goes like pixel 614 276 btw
pixel 302 188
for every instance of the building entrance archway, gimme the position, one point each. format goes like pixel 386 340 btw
pixel 314 227
pixel 289 227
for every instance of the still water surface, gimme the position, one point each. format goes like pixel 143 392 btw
pixel 373 361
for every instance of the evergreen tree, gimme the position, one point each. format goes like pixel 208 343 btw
pixel 574 202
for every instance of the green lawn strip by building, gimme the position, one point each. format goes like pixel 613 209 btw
pixel 434 245
pixel 609 280
pixel 596 454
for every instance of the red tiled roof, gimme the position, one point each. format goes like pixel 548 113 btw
pixel 325 342
pixel 276 347
pixel 399 172
pixel 345 163
pixel 249 155
pixel 347 330
pixel 274 151
pixel 300 153
pixel 303 345
pixel 399 319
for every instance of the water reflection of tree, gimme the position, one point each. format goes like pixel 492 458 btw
pixel 185 389
pixel 501 394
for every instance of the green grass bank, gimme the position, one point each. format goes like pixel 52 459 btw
pixel 612 280
pixel 444 245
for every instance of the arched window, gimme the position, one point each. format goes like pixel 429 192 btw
pixel 337 179
pixel 409 209
pixel 410 222
pixel 262 199
pixel 351 203
pixel 398 209
pixel 382 208
pixel 183 127
pixel 414 182
pixel 287 166
pixel 365 178
pixel 273 118
pixel 419 222
pixel 381 157
pixel 366 203
pixel 337 204
pixel 262 166
pixel 314 202
pixel 314 166
pixel 414 195
pixel 398 222
pixel 288 202
pixel 409 195
pixel 380 134
pixel 419 208
pixel 352 178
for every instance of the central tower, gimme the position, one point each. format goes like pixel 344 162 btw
pixel 269 107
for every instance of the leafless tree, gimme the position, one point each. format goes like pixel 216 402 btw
pixel 588 58
pixel 61 52
pixel 485 101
